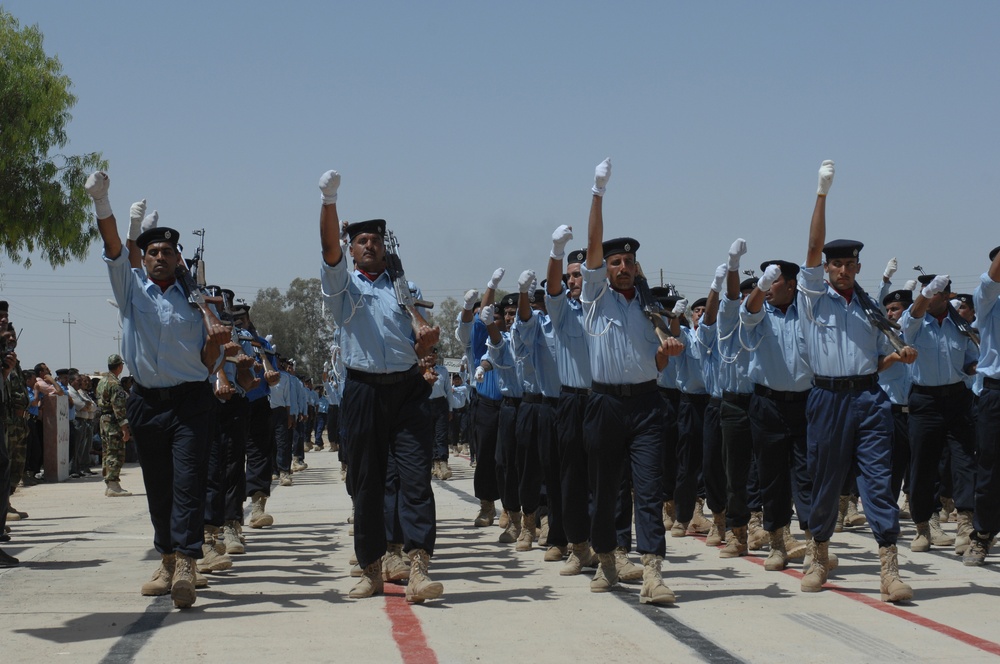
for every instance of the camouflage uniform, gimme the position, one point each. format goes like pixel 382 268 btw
pixel 111 400
pixel 16 415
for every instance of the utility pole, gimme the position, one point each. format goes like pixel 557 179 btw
pixel 69 334
pixel 118 338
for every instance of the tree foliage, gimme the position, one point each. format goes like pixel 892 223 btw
pixel 445 315
pixel 295 319
pixel 43 205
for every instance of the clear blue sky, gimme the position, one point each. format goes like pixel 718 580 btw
pixel 474 129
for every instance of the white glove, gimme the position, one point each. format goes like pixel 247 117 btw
pixel 720 276
pixel 825 177
pixel 767 279
pixel 737 250
pixel 495 279
pixel 471 296
pixel 680 307
pixel 480 374
pixel 890 268
pixel 150 221
pixel 328 185
pixel 486 314
pixel 955 303
pixel 910 285
pixel 601 176
pixel 97 186
pixel 937 284
pixel 524 281
pixel 135 216
pixel 560 238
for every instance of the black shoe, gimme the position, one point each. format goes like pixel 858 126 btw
pixel 7 560
pixel 4 538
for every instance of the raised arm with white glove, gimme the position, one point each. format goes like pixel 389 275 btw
pixel 560 238
pixel 767 279
pixel 680 307
pixel 890 269
pixel 736 251
pixel 136 214
pixel 97 186
pixel 525 280
pixel 720 277
pixel 936 285
pixel 601 176
pixel 150 221
pixel 487 314
pixel 825 178
pixel 495 279
pixel 329 182
pixel 471 296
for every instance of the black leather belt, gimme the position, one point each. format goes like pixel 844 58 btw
pixel 382 378
pixel 846 383
pixel 512 401
pixel 626 390
pixel 575 390
pixel 737 399
pixel 897 409
pixel 779 395
pixel 700 399
pixel 489 402
pixel 532 398
pixel 991 383
pixel 940 390
pixel 670 392
pixel 161 394
pixel 552 401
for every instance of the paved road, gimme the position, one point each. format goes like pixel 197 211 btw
pixel 84 556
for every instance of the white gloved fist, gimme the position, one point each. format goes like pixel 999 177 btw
pixel 736 251
pixel 480 374
pixel 471 296
pixel 136 213
pixel 601 176
pixel 890 268
pixel 720 276
pixel 150 221
pixel 767 279
pixel 97 187
pixel 937 284
pixel 328 185
pixel 524 281
pixel 495 279
pixel 487 314
pixel 560 238
pixel 910 285
pixel 825 177
pixel 680 307
pixel 956 303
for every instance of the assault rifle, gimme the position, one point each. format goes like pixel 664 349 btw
pixel 394 268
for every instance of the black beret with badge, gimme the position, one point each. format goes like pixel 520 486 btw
pixel 620 245
pixel 842 249
pixel 577 256
pixel 508 300
pixel 903 296
pixel 376 226
pixel 158 234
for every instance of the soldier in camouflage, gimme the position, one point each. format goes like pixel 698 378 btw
pixel 15 414
pixel 114 426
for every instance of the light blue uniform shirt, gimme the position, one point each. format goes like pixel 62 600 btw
pixel 896 382
pixel 690 372
pixel 707 336
pixel 942 350
pixel 621 339
pixel 281 392
pixel 490 387
pixel 988 320
pixel 534 342
pixel 779 357
pixel 572 353
pixel 507 368
pixel 442 386
pixel 377 336
pixel 323 405
pixel 734 368
pixel 162 334
pixel 459 396
pixel 668 377
pixel 840 341
pixel 332 393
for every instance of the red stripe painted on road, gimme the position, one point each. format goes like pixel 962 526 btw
pixel 893 610
pixel 406 628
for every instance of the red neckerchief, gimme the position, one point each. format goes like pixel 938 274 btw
pixel 846 294
pixel 940 319
pixel 371 277
pixel 164 285
pixel 628 295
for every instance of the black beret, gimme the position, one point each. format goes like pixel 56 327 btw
pixel 904 296
pixel 376 226
pixel 789 270
pixel 966 299
pixel 748 284
pixel 538 295
pixel 62 372
pixel 842 249
pixel 700 302
pixel 620 245
pixel 158 234
pixel 993 254
pixel 578 256
pixel 3 305
pixel 508 300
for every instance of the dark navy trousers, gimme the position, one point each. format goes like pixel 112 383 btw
pixel 779 437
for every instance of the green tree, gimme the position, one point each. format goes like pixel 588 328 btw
pixel 295 319
pixel 43 205
pixel 445 316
